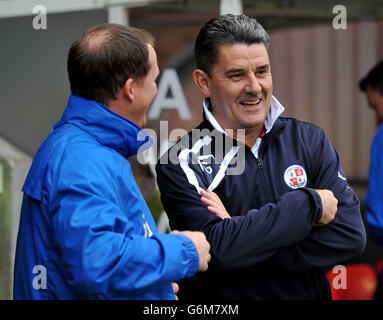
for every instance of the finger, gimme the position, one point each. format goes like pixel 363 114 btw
pixel 204 267
pixel 209 202
pixel 175 287
pixel 213 196
pixel 218 208
pixel 208 196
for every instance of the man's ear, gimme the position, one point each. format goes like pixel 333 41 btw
pixel 201 79
pixel 128 90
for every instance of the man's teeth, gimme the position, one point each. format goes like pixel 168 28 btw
pixel 251 103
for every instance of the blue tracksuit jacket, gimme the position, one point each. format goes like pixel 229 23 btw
pixel 270 248
pixel 374 197
pixel 85 229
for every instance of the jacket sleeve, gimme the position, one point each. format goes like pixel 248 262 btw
pixel 242 240
pixel 342 239
pixel 106 254
pixel 374 199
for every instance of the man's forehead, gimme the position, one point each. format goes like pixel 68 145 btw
pixel 241 54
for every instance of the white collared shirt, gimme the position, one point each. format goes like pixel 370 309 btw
pixel 275 111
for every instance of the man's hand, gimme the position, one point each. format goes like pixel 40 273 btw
pixel 329 205
pixel 214 204
pixel 176 288
pixel 202 245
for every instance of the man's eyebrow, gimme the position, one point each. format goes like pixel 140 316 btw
pixel 233 71
pixel 265 66
pixel 239 70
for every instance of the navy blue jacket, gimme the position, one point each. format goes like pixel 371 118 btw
pixel 270 248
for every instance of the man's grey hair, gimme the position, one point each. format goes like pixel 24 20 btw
pixel 226 29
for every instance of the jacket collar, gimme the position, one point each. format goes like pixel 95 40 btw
pixel 108 127
pixel 276 109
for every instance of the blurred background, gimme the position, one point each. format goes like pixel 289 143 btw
pixel 318 53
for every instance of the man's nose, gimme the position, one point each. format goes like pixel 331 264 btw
pixel 253 84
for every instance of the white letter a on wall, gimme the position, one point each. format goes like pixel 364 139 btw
pixel 169 81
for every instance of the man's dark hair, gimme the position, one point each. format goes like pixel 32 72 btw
pixel 105 57
pixel 226 29
pixel 374 79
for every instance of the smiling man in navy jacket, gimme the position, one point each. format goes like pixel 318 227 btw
pixel 280 180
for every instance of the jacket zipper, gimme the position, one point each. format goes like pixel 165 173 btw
pixel 260 174
pixel 259 161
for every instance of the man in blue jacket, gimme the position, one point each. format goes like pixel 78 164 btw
pixel 275 232
pixel 85 230
pixel 372 85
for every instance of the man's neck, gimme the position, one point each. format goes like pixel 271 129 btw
pixel 248 136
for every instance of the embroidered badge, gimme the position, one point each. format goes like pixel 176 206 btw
pixel 295 177
pixel 204 162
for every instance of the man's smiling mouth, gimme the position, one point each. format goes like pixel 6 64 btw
pixel 250 102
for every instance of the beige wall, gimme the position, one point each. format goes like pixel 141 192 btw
pixel 316 71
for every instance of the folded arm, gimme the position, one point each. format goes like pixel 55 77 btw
pixel 342 239
pixel 242 240
pixel 103 248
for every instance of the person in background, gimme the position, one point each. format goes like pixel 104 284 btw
pixel 372 86
pixel 276 225
pixel 85 230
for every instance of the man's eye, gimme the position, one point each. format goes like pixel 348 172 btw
pixel 236 76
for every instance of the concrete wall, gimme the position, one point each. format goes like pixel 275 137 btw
pixel 33 80
pixel 316 70
pixel 14 165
